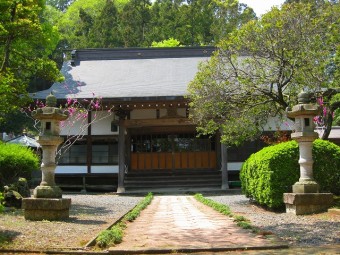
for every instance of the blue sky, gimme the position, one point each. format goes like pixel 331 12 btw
pixel 262 6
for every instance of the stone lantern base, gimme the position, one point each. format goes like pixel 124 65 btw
pixel 46 208
pixel 47 192
pixel 305 187
pixel 307 203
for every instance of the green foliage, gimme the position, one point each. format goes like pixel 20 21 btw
pixel 76 21
pixel 114 235
pixel 105 30
pixel 134 19
pixel 16 121
pixel 335 101
pixel 258 70
pixel 337 202
pixel 110 237
pixel 16 161
pixel 26 40
pixel 141 22
pixel 224 209
pixel 132 215
pixel 1 204
pixel 171 42
pixel 336 120
pixel 326 166
pixel 269 173
pixel 60 4
pixel 15 192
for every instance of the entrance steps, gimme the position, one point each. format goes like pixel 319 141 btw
pixel 173 179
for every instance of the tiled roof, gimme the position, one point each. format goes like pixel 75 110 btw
pixel 126 74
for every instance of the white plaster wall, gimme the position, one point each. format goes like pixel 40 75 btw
pixel 111 169
pixel 275 123
pixel 102 123
pixel 71 126
pixel 83 169
pixel 138 114
pixel 71 170
pixel 235 166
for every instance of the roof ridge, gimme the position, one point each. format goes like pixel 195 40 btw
pixel 139 53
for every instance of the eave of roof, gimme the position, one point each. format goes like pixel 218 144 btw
pixel 129 74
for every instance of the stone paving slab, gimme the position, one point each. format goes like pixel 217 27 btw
pixel 180 223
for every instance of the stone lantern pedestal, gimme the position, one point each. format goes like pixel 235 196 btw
pixel 47 202
pixel 305 198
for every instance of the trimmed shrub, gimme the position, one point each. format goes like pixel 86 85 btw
pixel 269 173
pixel 16 161
pixel 326 166
pixel 1 204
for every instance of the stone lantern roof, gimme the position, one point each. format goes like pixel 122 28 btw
pixel 50 111
pixel 304 107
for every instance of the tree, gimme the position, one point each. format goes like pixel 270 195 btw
pixel 25 43
pixel 76 22
pixel 164 20
pixel 258 71
pixel 171 42
pixel 229 15
pixel 105 30
pixel 134 19
pixel 61 5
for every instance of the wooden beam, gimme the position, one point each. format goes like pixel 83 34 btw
pixel 157 122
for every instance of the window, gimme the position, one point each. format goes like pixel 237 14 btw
pixel 171 142
pixel 104 151
pixel 74 155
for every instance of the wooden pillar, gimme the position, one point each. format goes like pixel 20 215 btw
pixel 89 143
pixel 121 149
pixel 224 167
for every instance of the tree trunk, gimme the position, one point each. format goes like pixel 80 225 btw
pixel 328 125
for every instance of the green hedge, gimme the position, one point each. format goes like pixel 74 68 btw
pixel 16 161
pixel 269 173
pixel 1 203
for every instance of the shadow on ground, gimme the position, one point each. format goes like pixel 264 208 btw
pixel 7 236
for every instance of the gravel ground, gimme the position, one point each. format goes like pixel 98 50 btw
pixel 89 214
pixel 307 230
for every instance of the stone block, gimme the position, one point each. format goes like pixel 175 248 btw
pixel 47 192
pixel 306 187
pixel 307 203
pixel 46 208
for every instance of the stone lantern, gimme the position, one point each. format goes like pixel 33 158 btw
pixel 47 202
pixel 305 198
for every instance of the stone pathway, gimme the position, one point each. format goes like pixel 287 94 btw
pixel 180 223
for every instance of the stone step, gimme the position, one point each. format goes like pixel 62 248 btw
pixel 179 179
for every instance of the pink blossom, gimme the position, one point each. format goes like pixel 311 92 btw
pixel 324 110
pixel 69 101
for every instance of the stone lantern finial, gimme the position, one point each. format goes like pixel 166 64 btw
pixel 304 97
pixel 51 100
